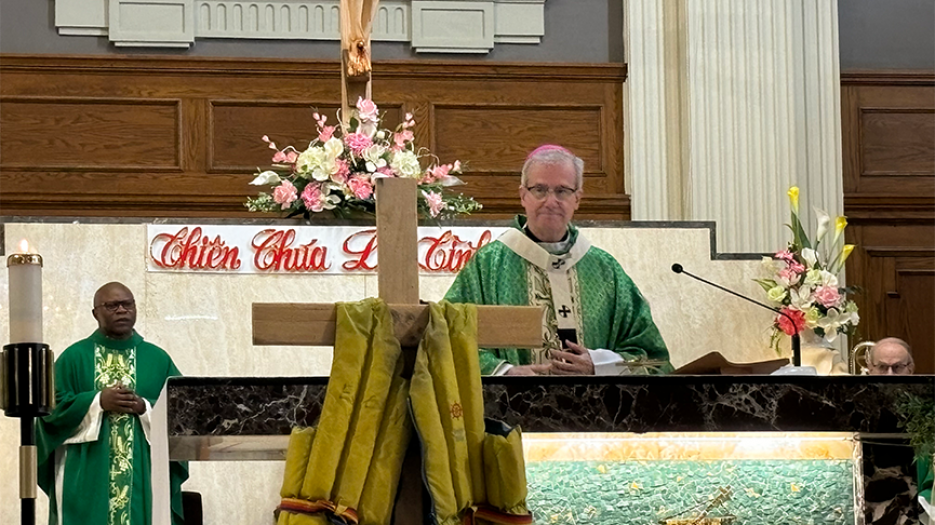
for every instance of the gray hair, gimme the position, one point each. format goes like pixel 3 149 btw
pixel 890 340
pixel 554 155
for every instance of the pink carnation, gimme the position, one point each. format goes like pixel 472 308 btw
pixel 313 198
pixel 827 296
pixel 793 326
pixel 360 186
pixel 366 110
pixel 386 171
pixel 284 194
pixel 343 170
pixel 358 142
pixel 402 138
pixel 436 204
pixel 785 255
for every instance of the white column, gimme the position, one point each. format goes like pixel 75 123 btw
pixel 760 89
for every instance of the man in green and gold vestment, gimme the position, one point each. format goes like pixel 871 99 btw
pixel 94 451
pixel 595 317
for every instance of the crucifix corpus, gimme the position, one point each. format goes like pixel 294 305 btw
pixel 312 324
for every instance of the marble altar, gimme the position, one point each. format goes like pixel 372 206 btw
pixel 249 419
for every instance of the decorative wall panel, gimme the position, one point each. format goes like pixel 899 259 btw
pixel 181 136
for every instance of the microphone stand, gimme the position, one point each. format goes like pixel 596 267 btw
pixel 796 340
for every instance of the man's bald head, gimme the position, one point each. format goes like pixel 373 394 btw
pixel 891 356
pixel 115 310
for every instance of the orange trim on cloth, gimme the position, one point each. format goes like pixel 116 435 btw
pixel 493 515
pixel 301 506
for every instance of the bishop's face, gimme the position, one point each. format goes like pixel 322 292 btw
pixel 550 198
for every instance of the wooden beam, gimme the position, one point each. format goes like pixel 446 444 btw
pixel 313 324
pixel 397 240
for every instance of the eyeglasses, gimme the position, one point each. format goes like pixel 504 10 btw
pixel 115 305
pixel 883 368
pixel 541 192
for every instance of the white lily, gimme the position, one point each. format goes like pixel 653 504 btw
pixel 267 177
pixel 810 256
pixel 801 298
pixel 823 222
pixel 831 322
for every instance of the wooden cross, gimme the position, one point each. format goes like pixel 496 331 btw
pixel 398 271
pixel 311 324
pixel 356 23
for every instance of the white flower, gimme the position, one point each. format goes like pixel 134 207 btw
pixel 810 257
pixel 801 299
pixel 373 155
pixel 831 322
pixel 267 177
pixel 318 161
pixel 823 222
pixel 776 294
pixel 815 278
pixel 406 164
pixel 334 148
pixel 771 265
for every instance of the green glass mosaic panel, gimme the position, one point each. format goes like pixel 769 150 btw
pixel 762 492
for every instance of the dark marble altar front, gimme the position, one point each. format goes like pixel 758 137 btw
pixel 228 407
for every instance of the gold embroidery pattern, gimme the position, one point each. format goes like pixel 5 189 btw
pixel 576 303
pixel 112 367
pixel 539 293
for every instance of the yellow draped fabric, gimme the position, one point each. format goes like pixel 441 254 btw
pixel 349 465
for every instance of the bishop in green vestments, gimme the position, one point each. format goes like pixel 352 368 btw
pixel 94 452
pixel 595 317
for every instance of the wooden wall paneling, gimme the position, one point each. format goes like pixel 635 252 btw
pixel 888 136
pixel 223 106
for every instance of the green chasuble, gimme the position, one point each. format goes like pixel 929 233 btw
pixel 95 465
pixel 609 312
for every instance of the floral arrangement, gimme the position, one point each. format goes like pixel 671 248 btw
pixel 802 280
pixel 336 172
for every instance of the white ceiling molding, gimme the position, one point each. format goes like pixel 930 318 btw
pixel 452 26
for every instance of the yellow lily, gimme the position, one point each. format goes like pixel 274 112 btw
pixel 794 198
pixel 839 261
pixel 840 222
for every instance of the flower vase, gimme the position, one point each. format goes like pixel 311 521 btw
pixel 820 353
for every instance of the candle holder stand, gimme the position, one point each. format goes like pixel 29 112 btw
pixel 28 392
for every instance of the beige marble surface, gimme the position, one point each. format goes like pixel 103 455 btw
pixel 203 321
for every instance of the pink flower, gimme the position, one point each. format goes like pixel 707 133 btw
pixel 785 255
pixel 436 204
pixel 325 133
pixel 285 157
pixel 793 326
pixel 789 276
pixel 796 266
pixel 284 194
pixel 436 173
pixel 343 170
pixel 358 142
pixel 366 110
pixel 360 186
pixel 402 138
pixel 827 296
pixel 313 198
pixel 386 171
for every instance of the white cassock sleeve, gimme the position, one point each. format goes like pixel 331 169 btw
pixel 90 426
pixel 605 363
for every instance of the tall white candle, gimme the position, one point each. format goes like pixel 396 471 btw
pixel 25 272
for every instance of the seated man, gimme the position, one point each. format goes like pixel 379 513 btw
pixel 595 317
pixel 890 356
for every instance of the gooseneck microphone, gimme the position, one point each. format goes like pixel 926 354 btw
pixel 796 341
